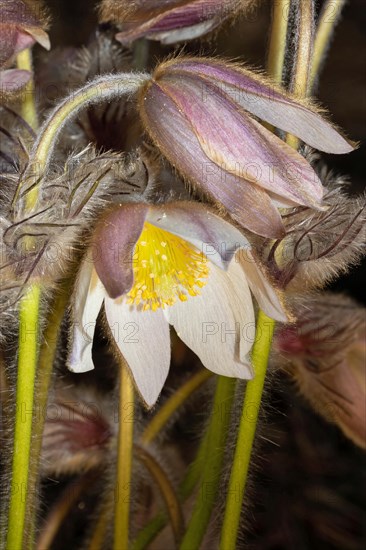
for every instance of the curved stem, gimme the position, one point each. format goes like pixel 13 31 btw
pixel 27 364
pixel 172 504
pixel 328 20
pixel 124 462
pixel 277 45
pixel 246 433
pixel 60 511
pixel 154 526
pixel 215 450
pixel 165 413
pixel 100 89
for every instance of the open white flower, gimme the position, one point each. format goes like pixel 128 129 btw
pixel 176 264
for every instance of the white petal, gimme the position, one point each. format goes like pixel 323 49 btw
pixel 87 300
pixel 196 223
pixel 183 34
pixel 267 296
pixel 143 339
pixel 214 324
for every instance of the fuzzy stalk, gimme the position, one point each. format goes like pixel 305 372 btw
pixel 328 21
pixel 186 488
pixel 45 366
pixel 166 489
pixel 124 463
pixel 61 509
pixel 104 88
pixel 277 44
pixel 26 371
pixel 214 455
pixel 166 412
pixel 304 31
pixel 246 433
pixel 27 363
pixel 28 107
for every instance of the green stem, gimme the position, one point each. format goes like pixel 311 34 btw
pixel 217 435
pixel 100 89
pixel 328 20
pixel 28 107
pixel 246 433
pixel 303 57
pixel 44 374
pixel 27 363
pixel 165 413
pixel 153 528
pixel 124 462
pixel 277 45
pixel 166 489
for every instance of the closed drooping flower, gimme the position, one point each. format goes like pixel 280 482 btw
pixel 20 28
pixel 202 114
pixel 177 264
pixel 168 21
pixel 326 350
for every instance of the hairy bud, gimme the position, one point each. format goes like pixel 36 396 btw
pixel 326 355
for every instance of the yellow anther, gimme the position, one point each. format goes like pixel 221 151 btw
pixel 166 268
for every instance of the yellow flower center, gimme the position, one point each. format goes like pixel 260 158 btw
pixel 165 268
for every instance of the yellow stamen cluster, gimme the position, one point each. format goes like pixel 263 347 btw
pixel 166 267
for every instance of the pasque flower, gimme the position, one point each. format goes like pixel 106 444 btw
pixel 20 28
pixel 176 264
pixel 202 114
pixel 168 21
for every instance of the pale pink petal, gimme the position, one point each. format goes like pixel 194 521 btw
pixel 175 23
pixel 268 102
pixel 87 301
pixel 144 341
pixel 199 225
pixel 113 246
pixel 238 143
pixel 268 297
pixel 247 203
pixel 214 324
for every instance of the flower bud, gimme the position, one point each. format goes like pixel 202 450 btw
pixel 168 21
pixel 326 353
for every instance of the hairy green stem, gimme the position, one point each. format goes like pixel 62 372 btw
pixel 27 362
pixel 43 380
pixel 215 450
pixel 26 372
pixel 124 462
pixel 277 45
pixel 246 433
pixel 328 20
pixel 303 56
pixel 172 404
pixel 166 489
